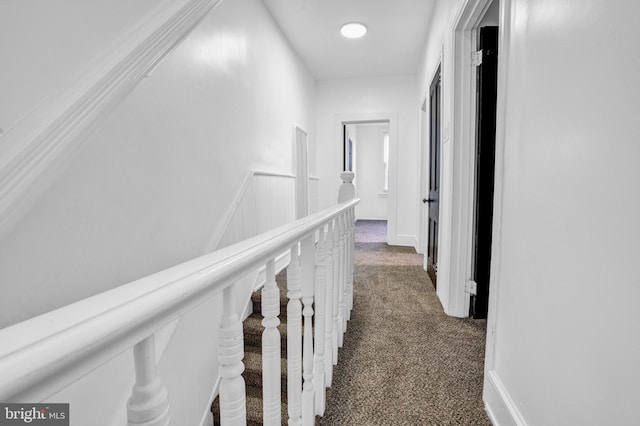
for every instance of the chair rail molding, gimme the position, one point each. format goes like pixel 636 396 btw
pixel 36 149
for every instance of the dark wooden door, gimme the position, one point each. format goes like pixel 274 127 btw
pixel 485 170
pixel 433 199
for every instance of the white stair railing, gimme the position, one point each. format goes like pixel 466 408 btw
pixel 68 343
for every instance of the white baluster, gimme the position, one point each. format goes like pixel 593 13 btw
pixel 340 283
pixel 294 340
pixel 328 331
pixel 271 373
pixel 149 401
pixel 319 377
pixel 352 242
pixel 345 276
pixel 336 290
pixel 308 278
pixel 230 354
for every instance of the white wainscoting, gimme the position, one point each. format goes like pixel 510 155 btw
pixel 314 182
pixel 265 201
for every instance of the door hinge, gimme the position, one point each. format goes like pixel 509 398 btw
pixel 471 287
pixel 476 58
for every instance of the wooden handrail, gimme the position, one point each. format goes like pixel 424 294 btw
pixel 42 355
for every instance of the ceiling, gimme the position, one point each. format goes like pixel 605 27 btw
pixel 392 46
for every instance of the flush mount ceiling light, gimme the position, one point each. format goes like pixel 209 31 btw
pixel 353 30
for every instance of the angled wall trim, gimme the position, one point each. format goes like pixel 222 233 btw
pixel 264 201
pixel 34 151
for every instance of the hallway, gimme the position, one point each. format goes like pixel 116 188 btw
pixel 404 362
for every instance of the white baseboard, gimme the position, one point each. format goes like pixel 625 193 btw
pixel 500 407
pixel 403 240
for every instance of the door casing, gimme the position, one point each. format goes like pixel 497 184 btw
pixel 458 174
pixel 339 121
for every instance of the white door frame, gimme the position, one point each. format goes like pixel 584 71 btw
pixel 423 149
pixel 425 164
pixel 463 130
pixel 340 120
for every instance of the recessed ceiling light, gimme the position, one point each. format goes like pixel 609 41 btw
pixel 353 30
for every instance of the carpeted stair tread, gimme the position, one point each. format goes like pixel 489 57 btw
pixel 256 300
pixel 253 329
pixel 253 333
pixel 253 372
pixel 254 411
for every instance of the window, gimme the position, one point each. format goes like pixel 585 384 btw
pixel 385 160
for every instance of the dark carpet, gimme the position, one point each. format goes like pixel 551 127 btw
pixel 404 362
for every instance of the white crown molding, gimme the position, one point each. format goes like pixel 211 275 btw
pixel 36 150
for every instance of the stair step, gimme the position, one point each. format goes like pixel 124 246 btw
pixel 253 333
pixel 256 299
pixel 281 282
pixel 257 307
pixel 253 374
pixel 254 411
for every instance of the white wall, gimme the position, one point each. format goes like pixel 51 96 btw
pixel 370 172
pixel 149 188
pixel 153 182
pixel 438 52
pixel 567 337
pixel 564 338
pixel 48 45
pixel 371 95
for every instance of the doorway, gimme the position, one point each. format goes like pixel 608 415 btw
pixel 350 155
pixel 433 197
pixel 487 78
pixel 455 250
pixel 366 153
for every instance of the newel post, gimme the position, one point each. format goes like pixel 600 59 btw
pixel 347 190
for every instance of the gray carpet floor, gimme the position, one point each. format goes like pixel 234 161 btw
pixel 404 362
